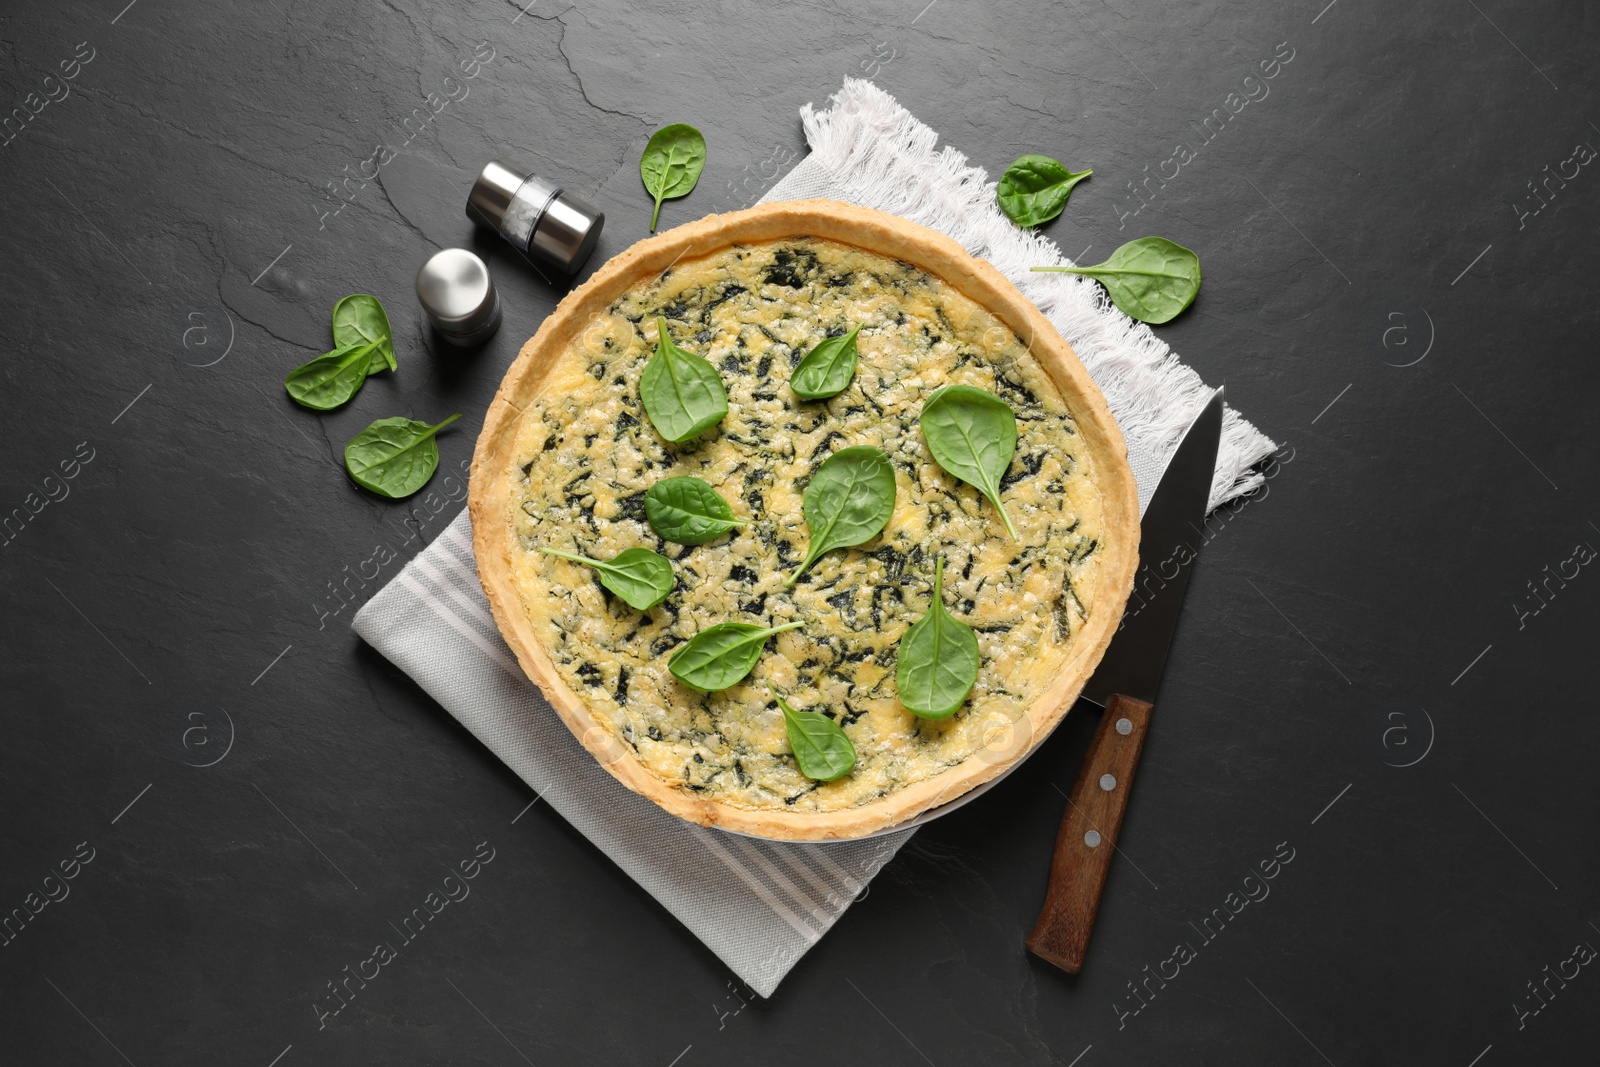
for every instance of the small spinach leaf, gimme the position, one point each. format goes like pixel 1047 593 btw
pixel 721 655
pixel 937 663
pixel 333 377
pixel 820 746
pixel 671 164
pixel 394 457
pixel 688 511
pixel 682 393
pixel 637 575
pixel 1151 279
pixel 827 369
pixel 972 434
pixel 360 319
pixel 1035 188
pixel 847 501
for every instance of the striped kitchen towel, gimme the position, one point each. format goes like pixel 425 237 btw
pixel 756 904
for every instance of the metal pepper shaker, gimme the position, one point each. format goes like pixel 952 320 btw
pixel 535 214
pixel 456 291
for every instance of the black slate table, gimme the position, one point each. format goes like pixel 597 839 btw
pixel 1380 694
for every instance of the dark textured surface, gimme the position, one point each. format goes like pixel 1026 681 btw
pixel 1374 188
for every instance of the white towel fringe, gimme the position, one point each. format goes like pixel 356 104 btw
pixel 881 156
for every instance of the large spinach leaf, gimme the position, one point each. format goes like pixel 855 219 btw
pixel 333 377
pixel 394 457
pixel 637 575
pixel 682 393
pixel 360 319
pixel 937 663
pixel 820 746
pixel 827 369
pixel 972 434
pixel 671 164
pixel 688 511
pixel 1035 188
pixel 1151 279
pixel 847 502
pixel 721 655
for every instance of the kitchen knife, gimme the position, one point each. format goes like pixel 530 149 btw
pixel 1125 684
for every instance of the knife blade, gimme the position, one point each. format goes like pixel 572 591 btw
pixel 1125 684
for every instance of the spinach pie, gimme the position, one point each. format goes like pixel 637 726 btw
pixel 573 444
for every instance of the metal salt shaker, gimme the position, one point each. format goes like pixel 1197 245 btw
pixel 535 214
pixel 456 291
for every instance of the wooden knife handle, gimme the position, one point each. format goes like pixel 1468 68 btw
pixel 1088 833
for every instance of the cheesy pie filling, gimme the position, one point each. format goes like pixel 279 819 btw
pixel 586 454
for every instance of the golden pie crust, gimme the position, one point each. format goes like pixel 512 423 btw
pixel 502 550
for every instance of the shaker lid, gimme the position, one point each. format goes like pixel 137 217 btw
pixel 567 232
pixel 455 290
pixel 494 190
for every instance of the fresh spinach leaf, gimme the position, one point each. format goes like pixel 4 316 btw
pixel 360 319
pixel 682 393
pixel 1150 279
pixel 688 511
pixel 637 575
pixel 972 434
pixel 827 369
pixel 363 345
pixel 1035 188
pixel 847 501
pixel 820 746
pixel 333 377
pixel 721 655
pixel 671 164
pixel 394 457
pixel 937 663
